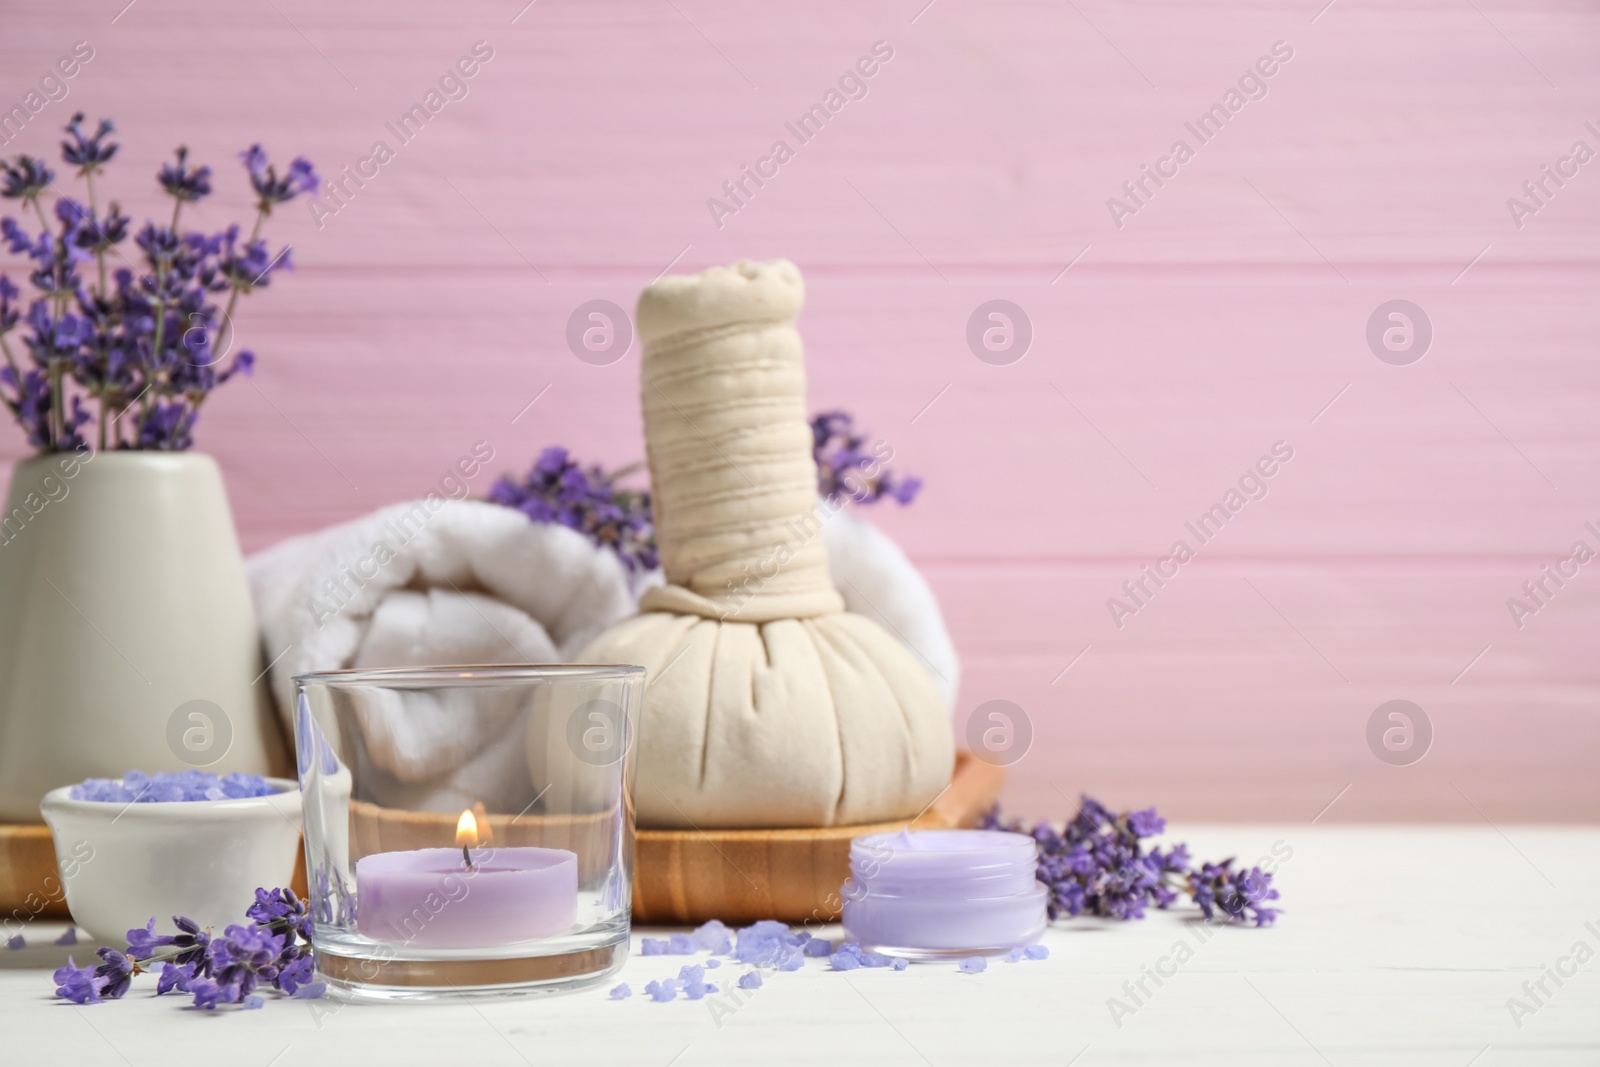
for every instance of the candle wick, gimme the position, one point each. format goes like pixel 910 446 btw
pixel 466 856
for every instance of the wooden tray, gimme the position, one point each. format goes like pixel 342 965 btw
pixel 680 876
pixel 739 876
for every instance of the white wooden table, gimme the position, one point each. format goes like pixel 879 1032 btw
pixel 1399 945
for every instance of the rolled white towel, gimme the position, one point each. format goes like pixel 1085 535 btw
pixel 877 580
pixel 434 582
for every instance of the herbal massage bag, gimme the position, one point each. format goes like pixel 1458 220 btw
pixel 768 704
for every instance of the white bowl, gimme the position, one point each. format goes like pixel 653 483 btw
pixel 123 864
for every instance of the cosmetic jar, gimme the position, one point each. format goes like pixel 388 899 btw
pixel 944 894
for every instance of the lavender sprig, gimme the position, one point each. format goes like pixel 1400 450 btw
pixel 1099 864
pixel 271 951
pixel 135 352
pixel 588 500
pixel 845 467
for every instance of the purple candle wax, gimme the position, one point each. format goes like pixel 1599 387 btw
pixel 944 893
pixel 431 899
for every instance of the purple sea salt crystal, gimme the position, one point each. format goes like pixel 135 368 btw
pixel 769 943
pixel 696 990
pixel 691 972
pixel 15 941
pixel 711 935
pixel 652 946
pixel 310 991
pixel 253 1001
pixel 661 992
pixel 68 938
pixel 874 959
pixel 1016 955
pixel 713 963
pixel 844 961
pixel 621 991
pixel 681 945
pixel 1036 952
pixel 750 980
pixel 818 947
pixel 900 963
pixel 973 965
pixel 136 787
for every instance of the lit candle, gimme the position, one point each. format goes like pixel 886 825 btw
pixel 470 896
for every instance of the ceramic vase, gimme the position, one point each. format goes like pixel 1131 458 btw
pixel 127 637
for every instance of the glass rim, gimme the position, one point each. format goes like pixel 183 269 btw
pixel 484 673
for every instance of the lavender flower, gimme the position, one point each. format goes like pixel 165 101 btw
pixel 183 182
pixel 1099 864
pixel 587 499
pixel 144 943
pixel 301 177
pixel 846 469
pixel 135 354
pixel 1237 893
pixel 77 984
pixel 117 971
pixel 558 490
pixel 272 951
pixel 25 179
pixel 88 153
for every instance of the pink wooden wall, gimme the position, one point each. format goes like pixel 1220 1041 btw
pixel 1227 314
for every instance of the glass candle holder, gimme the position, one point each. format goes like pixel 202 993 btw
pixel 468 829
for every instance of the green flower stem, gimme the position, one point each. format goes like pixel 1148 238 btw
pixel 99 250
pixel 12 363
pixel 58 404
pixel 233 297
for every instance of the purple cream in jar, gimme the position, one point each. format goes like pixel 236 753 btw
pixel 944 894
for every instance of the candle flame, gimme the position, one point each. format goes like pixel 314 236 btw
pixel 467 830
pixel 485 827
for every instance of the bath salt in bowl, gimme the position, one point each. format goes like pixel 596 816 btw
pixel 155 846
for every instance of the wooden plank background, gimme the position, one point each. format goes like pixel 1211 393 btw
pixel 1227 314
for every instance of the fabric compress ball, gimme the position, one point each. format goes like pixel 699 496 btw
pixel 768 704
